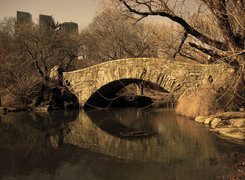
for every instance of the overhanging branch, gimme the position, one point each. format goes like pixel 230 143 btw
pixel 205 50
pixel 188 28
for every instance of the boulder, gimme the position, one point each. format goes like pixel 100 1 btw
pixel 208 120
pixel 238 133
pixel 229 115
pixel 56 74
pixel 43 108
pixel 237 122
pixel 215 122
pixel 52 96
pixel 200 119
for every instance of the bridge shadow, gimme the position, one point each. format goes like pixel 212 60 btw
pixel 109 96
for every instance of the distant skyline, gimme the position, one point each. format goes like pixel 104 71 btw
pixel 79 11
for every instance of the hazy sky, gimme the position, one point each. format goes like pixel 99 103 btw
pixel 79 11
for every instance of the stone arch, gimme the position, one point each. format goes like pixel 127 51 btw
pixel 106 94
pixel 174 76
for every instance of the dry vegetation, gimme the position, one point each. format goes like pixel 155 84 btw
pixel 196 103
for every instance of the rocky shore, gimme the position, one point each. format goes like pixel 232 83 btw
pixel 227 124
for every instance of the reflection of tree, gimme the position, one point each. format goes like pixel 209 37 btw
pixel 25 139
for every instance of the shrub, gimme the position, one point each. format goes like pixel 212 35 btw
pixel 199 102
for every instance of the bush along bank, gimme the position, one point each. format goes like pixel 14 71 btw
pixel 45 96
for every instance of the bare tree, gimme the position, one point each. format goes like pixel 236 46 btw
pixel 112 36
pixel 228 16
pixel 223 40
pixel 27 54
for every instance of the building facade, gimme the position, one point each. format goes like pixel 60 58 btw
pixel 69 27
pixel 46 22
pixel 23 18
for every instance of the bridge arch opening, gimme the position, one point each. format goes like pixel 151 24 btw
pixel 113 94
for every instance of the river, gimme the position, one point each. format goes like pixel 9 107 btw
pixel 111 144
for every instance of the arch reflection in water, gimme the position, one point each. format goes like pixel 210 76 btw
pixel 128 123
pixel 172 142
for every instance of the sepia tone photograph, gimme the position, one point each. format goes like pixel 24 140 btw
pixel 122 90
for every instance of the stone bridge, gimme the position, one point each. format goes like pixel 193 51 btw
pixel 106 79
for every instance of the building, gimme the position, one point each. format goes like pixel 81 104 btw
pixel 69 27
pixel 23 18
pixel 46 22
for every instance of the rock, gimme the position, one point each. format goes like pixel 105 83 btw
pixel 200 119
pixel 56 73
pixel 208 120
pixel 229 115
pixel 238 133
pixel 46 108
pixel 237 122
pixel 52 96
pixel 215 122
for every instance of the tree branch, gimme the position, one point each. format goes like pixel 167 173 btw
pixel 229 60
pixel 35 60
pixel 205 50
pixel 181 44
pixel 189 29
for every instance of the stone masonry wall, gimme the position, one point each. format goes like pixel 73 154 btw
pixel 174 76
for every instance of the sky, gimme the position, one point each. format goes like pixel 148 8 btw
pixel 79 11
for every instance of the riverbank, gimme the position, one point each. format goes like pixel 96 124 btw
pixel 227 124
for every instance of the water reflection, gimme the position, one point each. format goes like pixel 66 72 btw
pixel 176 137
pixel 75 145
pixel 122 122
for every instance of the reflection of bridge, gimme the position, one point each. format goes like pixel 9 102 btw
pixel 109 77
pixel 34 132
pixel 182 148
pixel 169 144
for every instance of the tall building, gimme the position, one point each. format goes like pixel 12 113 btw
pixel 69 27
pixel 23 18
pixel 46 22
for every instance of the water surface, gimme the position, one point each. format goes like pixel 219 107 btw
pixel 93 145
